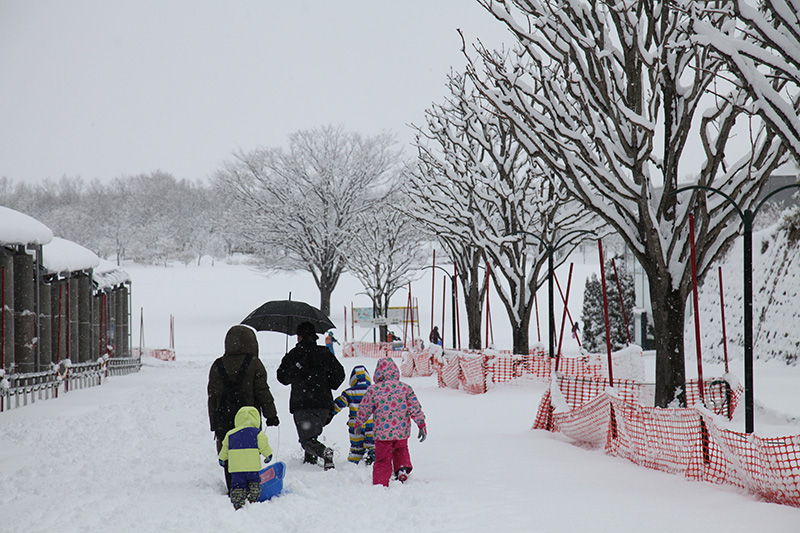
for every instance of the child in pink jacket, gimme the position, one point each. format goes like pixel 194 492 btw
pixel 391 404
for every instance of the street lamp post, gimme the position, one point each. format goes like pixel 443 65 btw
pixel 747 222
pixel 452 299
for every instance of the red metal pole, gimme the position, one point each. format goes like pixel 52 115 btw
pixel 491 324
pixel 444 305
pixel 605 313
pixel 564 315
pixel 722 311
pixel 621 301
pixel 415 307
pixel 458 320
pixel 696 312
pixel 407 317
pixel 487 304
pixel 563 299
pixel 433 286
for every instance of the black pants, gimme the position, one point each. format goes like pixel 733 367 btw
pixel 220 437
pixel 309 423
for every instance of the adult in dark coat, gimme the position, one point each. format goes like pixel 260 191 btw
pixel 241 348
pixel 313 372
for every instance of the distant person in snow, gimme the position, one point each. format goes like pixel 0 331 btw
pixel 240 454
pixel 361 442
pixel 235 380
pixel 329 340
pixel 435 338
pixel 313 372
pixel 391 404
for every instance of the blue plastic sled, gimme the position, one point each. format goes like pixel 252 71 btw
pixel 271 480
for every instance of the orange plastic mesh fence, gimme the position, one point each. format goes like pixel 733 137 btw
pixel 423 363
pixel 450 374
pixel 407 366
pixel 502 367
pixel 473 371
pixel 681 441
pixel 507 367
pixel 375 350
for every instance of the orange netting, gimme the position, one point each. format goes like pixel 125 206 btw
pixel 376 350
pixel 418 363
pixel 582 405
pixel 683 441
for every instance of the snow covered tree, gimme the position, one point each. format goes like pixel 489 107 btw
pixel 608 96
pixel 302 203
pixel 763 49
pixel 440 191
pixel 482 187
pixel 593 316
pixel 386 253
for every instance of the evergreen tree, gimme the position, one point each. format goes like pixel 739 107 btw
pixel 594 329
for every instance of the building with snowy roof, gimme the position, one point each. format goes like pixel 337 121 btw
pixel 63 308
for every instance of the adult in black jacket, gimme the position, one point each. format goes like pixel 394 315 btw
pixel 312 371
pixel 241 369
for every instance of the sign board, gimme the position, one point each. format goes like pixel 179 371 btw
pixel 362 316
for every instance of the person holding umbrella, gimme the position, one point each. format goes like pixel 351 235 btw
pixel 313 372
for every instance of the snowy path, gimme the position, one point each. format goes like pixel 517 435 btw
pixel 135 455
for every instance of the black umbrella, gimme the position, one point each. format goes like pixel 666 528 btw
pixel 284 316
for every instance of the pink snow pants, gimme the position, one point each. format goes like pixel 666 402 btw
pixel 389 456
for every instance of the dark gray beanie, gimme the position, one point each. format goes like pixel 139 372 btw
pixel 241 340
pixel 307 331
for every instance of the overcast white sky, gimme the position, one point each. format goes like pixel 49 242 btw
pixel 101 89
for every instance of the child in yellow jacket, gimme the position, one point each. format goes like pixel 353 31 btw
pixel 242 449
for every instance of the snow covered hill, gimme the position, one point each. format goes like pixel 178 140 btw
pixel 776 300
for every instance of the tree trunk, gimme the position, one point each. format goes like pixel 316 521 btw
pixel 326 282
pixel 520 336
pixel 325 292
pixel 472 302
pixel 668 317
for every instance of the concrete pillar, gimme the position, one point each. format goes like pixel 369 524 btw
pixel 84 317
pixel 120 341
pixel 125 321
pixel 24 314
pixel 111 338
pixel 45 324
pixel 97 351
pixel 58 304
pixel 7 297
pixel 73 350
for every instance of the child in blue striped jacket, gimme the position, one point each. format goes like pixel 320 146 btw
pixel 362 441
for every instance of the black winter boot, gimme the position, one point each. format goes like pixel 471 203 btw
pixel 310 458
pixel 317 449
pixel 238 497
pixel 253 491
pixel 402 474
pixel 327 457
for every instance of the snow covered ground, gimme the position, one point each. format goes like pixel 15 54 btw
pixel 135 454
